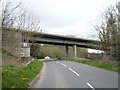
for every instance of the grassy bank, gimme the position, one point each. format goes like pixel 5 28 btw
pixel 97 64
pixel 14 76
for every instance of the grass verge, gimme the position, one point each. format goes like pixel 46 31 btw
pixel 97 64
pixel 14 76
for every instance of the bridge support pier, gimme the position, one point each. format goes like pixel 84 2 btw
pixel 75 51
pixel 66 51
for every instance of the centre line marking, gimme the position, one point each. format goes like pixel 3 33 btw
pixel 90 86
pixel 57 61
pixel 74 72
pixel 63 64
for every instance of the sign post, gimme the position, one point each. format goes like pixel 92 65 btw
pixel 25 52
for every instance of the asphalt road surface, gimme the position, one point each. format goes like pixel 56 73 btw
pixel 68 74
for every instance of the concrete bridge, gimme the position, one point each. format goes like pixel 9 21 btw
pixel 66 41
pixel 43 38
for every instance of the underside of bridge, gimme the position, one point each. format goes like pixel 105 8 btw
pixel 65 41
pixel 37 37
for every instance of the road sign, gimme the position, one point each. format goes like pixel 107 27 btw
pixel 25 52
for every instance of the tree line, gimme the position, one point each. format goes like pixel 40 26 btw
pixel 56 51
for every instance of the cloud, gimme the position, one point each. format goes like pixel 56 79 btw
pixel 68 16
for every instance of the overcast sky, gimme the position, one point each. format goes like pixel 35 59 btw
pixel 69 17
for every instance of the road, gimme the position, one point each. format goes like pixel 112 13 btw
pixel 68 74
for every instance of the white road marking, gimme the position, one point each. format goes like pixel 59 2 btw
pixel 63 64
pixel 74 72
pixel 90 86
pixel 57 61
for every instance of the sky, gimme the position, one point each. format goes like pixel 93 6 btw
pixel 69 17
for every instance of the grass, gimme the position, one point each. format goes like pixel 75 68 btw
pixel 17 76
pixel 97 64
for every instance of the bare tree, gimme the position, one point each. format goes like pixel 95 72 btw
pixel 10 14
pixel 18 24
pixel 108 33
pixel 10 42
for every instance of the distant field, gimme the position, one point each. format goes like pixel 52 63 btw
pixel 18 76
pixel 97 64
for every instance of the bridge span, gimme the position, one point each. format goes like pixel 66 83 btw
pixel 64 40
pixel 44 38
